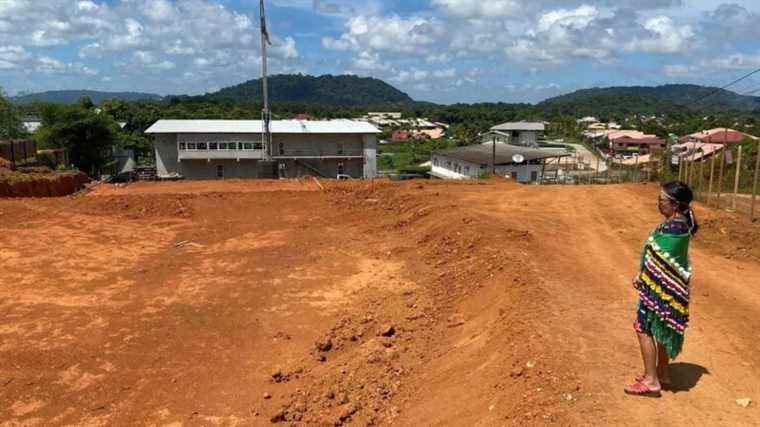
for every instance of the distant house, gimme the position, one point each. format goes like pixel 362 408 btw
pixel 695 151
pixel 474 160
pixel 587 120
pixel 401 135
pixel 525 134
pixel 207 149
pixel 384 115
pixel 643 145
pixel 303 116
pixel 717 136
pixel 31 124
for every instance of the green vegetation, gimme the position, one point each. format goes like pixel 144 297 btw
pixel 85 133
pixel 325 90
pixel 329 97
pixel 72 96
pixel 11 126
pixel 619 102
pixel 405 157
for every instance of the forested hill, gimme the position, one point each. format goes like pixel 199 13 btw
pixel 72 96
pixel 648 100
pixel 345 90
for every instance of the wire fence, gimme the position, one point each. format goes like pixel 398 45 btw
pixel 726 179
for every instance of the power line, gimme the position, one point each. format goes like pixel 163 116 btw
pixel 746 76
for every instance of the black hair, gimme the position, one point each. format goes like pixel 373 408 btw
pixel 682 195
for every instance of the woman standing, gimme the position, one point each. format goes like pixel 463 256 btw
pixel 663 287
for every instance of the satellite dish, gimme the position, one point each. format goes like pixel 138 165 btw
pixel 518 158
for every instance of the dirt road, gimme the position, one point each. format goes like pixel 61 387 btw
pixel 412 303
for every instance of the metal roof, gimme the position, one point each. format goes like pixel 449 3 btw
pixel 482 154
pixel 534 126
pixel 256 126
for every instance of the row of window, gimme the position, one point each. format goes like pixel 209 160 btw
pixel 228 146
pixel 456 166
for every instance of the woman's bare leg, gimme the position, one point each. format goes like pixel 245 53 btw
pixel 649 355
pixel 663 371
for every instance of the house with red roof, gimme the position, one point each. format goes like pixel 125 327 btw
pixel 717 136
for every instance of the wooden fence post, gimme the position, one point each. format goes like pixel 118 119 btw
pixel 736 178
pixel 720 176
pixel 636 168
pixel 712 173
pixel 754 183
pixel 702 178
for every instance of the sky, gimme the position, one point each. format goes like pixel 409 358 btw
pixel 443 51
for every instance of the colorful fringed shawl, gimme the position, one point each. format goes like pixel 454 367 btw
pixel 663 287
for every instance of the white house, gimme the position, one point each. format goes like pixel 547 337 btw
pixel 203 149
pixel 522 164
pixel 526 134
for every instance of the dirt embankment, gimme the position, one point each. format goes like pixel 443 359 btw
pixel 366 304
pixel 40 182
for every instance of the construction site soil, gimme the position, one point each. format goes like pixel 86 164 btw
pixel 39 182
pixel 415 303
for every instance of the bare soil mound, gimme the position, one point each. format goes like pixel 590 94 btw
pixel 40 182
pixel 365 304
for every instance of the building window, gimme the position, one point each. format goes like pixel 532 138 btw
pixel 247 146
pixel 202 146
pixel 213 146
pixel 282 149
pixel 182 146
pixel 258 146
pixel 340 148
pixel 191 146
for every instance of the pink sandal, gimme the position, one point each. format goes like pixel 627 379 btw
pixel 664 384
pixel 640 389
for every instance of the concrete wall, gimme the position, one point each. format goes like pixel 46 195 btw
pixel 458 169
pixel 167 161
pixel 370 156
pixel 317 145
pixel 360 153
pixel 526 138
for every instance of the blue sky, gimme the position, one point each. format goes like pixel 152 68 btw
pixel 437 50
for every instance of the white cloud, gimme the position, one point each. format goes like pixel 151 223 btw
pixel 679 70
pixel 737 61
pixel 448 73
pixel 480 8
pixel 390 34
pixel 576 19
pixel 662 35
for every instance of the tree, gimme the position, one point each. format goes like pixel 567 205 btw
pixel 11 126
pixel 87 135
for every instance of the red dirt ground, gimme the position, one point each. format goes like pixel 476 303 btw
pixel 252 302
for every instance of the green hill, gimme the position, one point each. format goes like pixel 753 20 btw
pixel 345 90
pixel 72 96
pixel 648 100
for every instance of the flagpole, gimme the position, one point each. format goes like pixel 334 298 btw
pixel 266 115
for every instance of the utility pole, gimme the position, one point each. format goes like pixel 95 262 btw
pixel 265 113
pixel 493 157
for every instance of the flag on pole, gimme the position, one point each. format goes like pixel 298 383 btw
pixel 264 30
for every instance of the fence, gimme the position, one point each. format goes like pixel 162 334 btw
pixel 19 152
pixel 726 179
